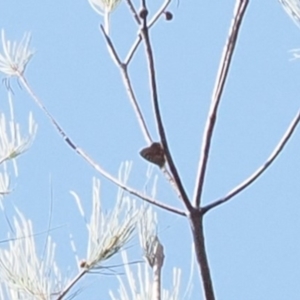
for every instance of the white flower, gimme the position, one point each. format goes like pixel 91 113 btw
pixel 12 143
pixel 292 8
pixel 4 184
pixel 108 233
pixel 15 56
pixel 103 7
pixel 139 285
pixel 23 272
pixel 144 282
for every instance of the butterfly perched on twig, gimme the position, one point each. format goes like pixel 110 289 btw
pixel 154 154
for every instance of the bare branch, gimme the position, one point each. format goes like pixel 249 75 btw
pixel 135 105
pixel 129 88
pixel 196 224
pixel 71 284
pixel 132 50
pixel 133 11
pixel 159 13
pixel 171 180
pixel 138 40
pixel 154 96
pixel 90 160
pixel 260 170
pixel 240 9
pixel 111 47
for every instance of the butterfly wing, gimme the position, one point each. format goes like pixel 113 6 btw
pixel 154 154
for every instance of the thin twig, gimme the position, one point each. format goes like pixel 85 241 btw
pixel 240 9
pixel 111 48
pixel 129 88
pixel 158 13
pixel 154 96
pixel 171 180
pixel 132 50
pixel 128 189
pixel 127 82
pixel 133 11
pixel 150 24
pixel 260 170
pixel 71 284
pixel 136 107
pixel 81 153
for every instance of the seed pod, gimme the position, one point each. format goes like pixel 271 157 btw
pixel 143 13
pixel 168 15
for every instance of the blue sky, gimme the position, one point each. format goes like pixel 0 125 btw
pixel 254 240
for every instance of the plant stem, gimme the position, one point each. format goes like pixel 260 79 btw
pixel 196 223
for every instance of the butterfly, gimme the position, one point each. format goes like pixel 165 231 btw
pixel 154 154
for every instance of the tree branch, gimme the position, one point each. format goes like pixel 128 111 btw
pixel 90 160
pixel 133 11
pixel 260 170
pixel 196 224
pixel 225 62
pixel 150 24
pixel 154 96
pixel 134 103
pixel 71 284
pixel 128 86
